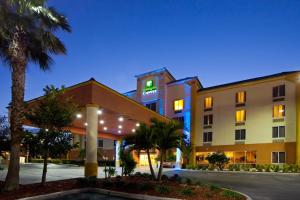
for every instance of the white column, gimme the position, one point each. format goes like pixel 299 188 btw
pixel 91 163
pixel 178 158
pixel 117 156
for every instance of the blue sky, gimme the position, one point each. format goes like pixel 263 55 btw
pixel 218 41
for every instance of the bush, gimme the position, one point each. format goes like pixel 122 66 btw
pixel 138 174
pixel 1 167
pixel 260 168
pixel 127 162
pixel 187 191
pixel 231 194
pixel 218 159
pixel 214 187
pixel 162 189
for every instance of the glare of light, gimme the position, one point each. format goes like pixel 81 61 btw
pixel 119 131
pixel 101 121
pixel 137 124
pixel 105 128
pixel 99 112
pixel 47 130
pixel 85 123
pixel 120 126
pixel 121 119
pixel 78 116
pixel 281 111
pixel 133 130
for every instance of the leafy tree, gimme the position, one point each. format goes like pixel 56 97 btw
pixel 4 135
pixel 218 159
pixel 52 114
pixel 27 34
pixel 167 135
pixel 142 140
pixel 127 162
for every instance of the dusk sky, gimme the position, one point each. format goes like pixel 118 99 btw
pixel 218 41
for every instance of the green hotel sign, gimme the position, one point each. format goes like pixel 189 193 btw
pixel 150 88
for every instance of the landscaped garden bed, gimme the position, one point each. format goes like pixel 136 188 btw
pixel 174 187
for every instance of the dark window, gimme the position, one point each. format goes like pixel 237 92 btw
pixel 279 91
pixel 278 132
pixel 100 143
pixel 179 119
pixel 240 134
pixel 278 157
pixel 207 137
pixel 208 119
pixel 151 106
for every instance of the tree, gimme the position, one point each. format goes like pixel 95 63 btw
pixel 167 135
pixel 142 140
pixel 27 34
pixel 218 159
pixel 127 162
pixel 52 114
pixel 4 135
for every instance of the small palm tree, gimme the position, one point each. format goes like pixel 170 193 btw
pixel 142 141
pixel 167 135
pixel 26 35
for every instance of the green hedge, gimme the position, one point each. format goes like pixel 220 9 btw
pixel 73 162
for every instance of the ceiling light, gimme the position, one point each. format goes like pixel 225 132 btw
pixel 105 128
pixel 101 121
pixel 119 131
pixel 120 126
pixel 133 130
pixel 85 124
pixel 78 116
pixel 121 119
pixel 99 112
pixel 47 130
pixel 137 124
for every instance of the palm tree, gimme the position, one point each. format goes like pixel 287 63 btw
pixel 167 135
pixel 27 34
pixel 142 141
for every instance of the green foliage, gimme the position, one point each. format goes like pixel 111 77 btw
pixel 231 194
pixel 188 191
pixel 213 187
pixel 110 171
pixel 4 134
pixel 127 162
pixel 162 189
pixel 218 159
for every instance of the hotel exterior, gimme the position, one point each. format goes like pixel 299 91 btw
pixel 254 121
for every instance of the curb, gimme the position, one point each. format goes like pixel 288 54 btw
pixel 243 194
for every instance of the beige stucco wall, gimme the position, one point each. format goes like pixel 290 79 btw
pixel 259 121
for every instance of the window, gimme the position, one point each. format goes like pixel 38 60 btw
pixel 240 116
pixel 240 97
pixel 179 119
pixel 207 137
pixel 208 103
pixel 208 120
pixel 151 106
pixel 100 143
pixel 278 111
pixel 279 91
pixel 278 157
pixel 278 132
pixel 178 105
pixel 240 134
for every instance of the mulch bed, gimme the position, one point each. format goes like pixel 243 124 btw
pixel 134 184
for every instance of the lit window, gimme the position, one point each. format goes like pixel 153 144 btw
pixel 207 137
pixel 279 91
pixel 278 157
pixel 278 111
pixel 278 132
pixel 240 116
pixel 178 105
pixel 208 103
pixel 240 97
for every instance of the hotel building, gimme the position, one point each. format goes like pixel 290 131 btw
pixel 253 121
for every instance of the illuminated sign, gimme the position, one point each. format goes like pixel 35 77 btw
pixel 149 88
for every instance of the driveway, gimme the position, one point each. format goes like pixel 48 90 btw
pixel 257 186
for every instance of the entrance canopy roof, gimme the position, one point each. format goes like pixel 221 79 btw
pixel 117 115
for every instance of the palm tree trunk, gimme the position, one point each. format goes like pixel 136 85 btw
pixel 44 170
pixel 150 164
pixel 161 165
pixel 18 64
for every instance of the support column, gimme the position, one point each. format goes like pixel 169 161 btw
pixel 178 158
pixel 117 156
pixel 91 163
pixel 297 123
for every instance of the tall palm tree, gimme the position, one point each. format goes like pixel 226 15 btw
pixel 167 135
pixel 142 141
pixel 27 34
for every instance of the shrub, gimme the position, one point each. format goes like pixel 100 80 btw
pixel 1 167
pixel 213 187
pixel 231 194
pixel 260 168
pixel 187 191
pixel 127 162
pixel 162 189
pixel 138 174
pixel 164 178
pixel 218 159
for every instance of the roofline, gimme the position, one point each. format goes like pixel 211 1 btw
pixel 132 91
pixel 186 79
pixel 248 81
pixel 155 72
